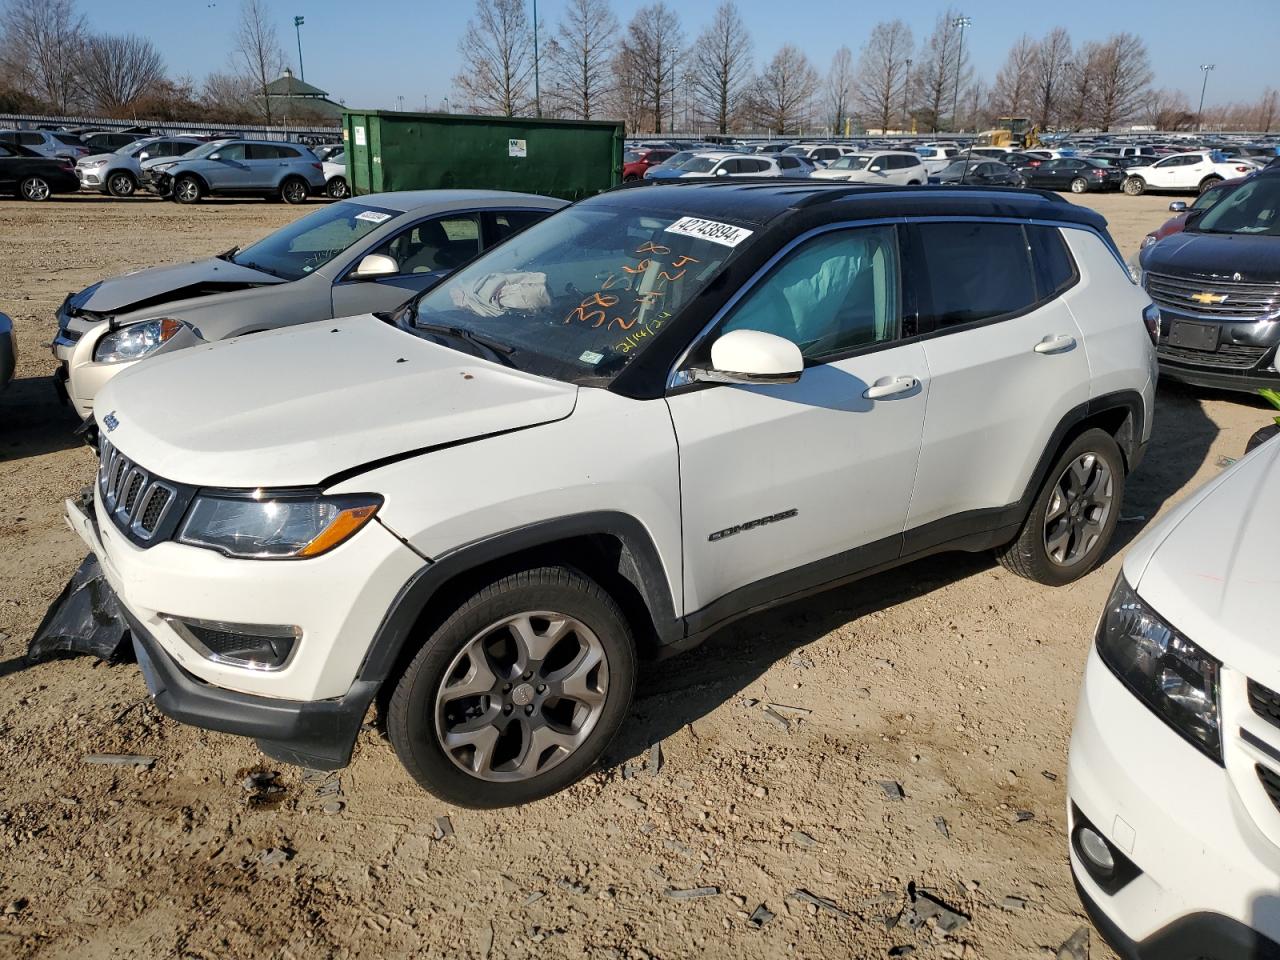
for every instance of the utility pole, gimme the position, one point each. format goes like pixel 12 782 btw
pixel 297 27
pixel 1204 68
pixel 537 53
pixel 962 22
pixel 906 96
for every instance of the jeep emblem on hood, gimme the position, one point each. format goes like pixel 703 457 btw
pixel 110 421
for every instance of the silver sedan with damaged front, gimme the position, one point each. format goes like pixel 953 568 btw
pixel 361 255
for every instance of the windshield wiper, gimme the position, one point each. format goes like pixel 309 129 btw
pixel 261 269
pixel 228 255
pixel 499 351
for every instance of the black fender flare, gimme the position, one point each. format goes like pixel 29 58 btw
pixel 641 564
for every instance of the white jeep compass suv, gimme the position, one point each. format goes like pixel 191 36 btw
pixel 655 411
pixel 1174 777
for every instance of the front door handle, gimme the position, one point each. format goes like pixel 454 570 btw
pixel 887 387
pixel 1056 344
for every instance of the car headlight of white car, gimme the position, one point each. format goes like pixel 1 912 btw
pixel 136 340
pixel 266 525
pixel 1162 668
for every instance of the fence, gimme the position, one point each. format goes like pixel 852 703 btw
pixel 299 133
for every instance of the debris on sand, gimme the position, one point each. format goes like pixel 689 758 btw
pixel 693 893
pixel 892 789
pixel 1076 946
pixel 760 916
pixel 822 903
pixel 119 760
pixel 444 828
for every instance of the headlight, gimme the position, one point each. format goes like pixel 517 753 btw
pixel 164 166
pixel 135 340
pixel 1149 239
pixel 263 525
pixel 1135 269
pixel 1162 668
pixel 96 163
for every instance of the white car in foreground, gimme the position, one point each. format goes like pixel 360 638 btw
pixel 1186 173
pixel 897 167
pixel 1174 779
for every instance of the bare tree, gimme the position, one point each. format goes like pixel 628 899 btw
pixel 256 51
pixel 1265 112
pixel 784 91
pixel 1052 68
pixel 942 63
pixel 720 67
pixel 42 41
pixel 654 52
pixel 1080 108
pixel 1124 74
pixel 882 72
pixel 497 59
pixel 119 70
pixel 840 90
pixel 580 58
pixel 1014 90
pixel 1166 109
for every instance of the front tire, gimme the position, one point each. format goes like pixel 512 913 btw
pixel 1134 186
pixel 121 184
pixel 518 693
pixel 337 189
pixel 1074 515
pixel 1079 185
pixel 1208 182
pixel 187 189
pixel 34 188
pixel 294 190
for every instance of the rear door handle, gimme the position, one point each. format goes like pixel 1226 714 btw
pixel 1056 344
pixel 887 387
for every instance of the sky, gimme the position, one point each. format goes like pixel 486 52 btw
pixel 368 54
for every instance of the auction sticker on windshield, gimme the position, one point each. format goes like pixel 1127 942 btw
pixel 373 216
pixel 722 233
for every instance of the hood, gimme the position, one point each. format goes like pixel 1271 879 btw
pixel 1216 576
pixel 94 157
pixel 156 285
pixel 1211 255
pixel 295 406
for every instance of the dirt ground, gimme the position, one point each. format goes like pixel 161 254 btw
pixel 950 677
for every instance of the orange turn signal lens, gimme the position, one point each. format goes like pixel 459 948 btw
pixel 340 528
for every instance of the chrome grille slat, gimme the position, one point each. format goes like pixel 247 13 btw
pixel 1243 299
pixel 134 500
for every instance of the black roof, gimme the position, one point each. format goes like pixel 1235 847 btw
pixel 760 201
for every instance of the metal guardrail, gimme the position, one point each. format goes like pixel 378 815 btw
pixel 246 131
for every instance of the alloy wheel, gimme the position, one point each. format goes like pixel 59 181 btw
pixel 294 192
pixel 188 190
pixel 120 185
pixel 1076 515
pixel 35 189
pixel 1079 186
pixel 521 696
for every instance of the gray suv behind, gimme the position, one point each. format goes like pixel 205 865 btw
pixel 288 171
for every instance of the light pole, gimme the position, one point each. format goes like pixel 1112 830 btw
pixel 400 102
pixel 962 22
pixel 297 27
pixel 1204 68
pixel 537 86
pixel 906 96
pixel 448 107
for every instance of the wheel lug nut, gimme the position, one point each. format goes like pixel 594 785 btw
pixel 529 710
pixel 506 688
pixel 528 675
pixel 507 708
pixel 542 688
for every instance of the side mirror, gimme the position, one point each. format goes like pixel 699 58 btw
pixel 375 265
pixel 215 156
pixel 722 172
pixel 875 169
pixel 143 156
pixel 1178 206
pixel 752 357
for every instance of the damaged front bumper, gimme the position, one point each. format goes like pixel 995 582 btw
pixel 88 617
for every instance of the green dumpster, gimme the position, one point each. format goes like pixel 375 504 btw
pixel 571 159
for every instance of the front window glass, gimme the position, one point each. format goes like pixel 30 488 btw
pixel 309 243
pixel 1251 208
pixel 961 260
pixel 208 148
pixel 444 243
pixel 630 157
pixel 837 292
pixel 699 165
pixel 582 294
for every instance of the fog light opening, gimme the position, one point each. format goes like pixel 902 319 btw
pixel 248 646
pixel 1095 849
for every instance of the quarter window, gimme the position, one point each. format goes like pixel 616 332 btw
pixel 835 293
pixel 1055 270
pixel 973 272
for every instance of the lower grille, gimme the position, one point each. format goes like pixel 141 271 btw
pixel 1228 356
pixel 1218 296
pixel 1270 783
pixel 1265 702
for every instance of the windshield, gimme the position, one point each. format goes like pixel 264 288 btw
pixel 699 164
pixel 849 163
pixel 676 159
pixel 308 244
pixel 207 149
pixel 956 167
pixel 630 157
pixel 1249 209
pixel 583 293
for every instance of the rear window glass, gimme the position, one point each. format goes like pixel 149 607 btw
pixel 1055 270
pixel 973 272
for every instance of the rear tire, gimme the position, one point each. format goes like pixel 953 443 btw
pixel 35 189
pixel 1074 516
pixel 337 188
pixel 1079 185
pixel 1134 186
pixel 121 184
pixel 518 693
pixel 294 190
pixel 1208 182
pixel 187 189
